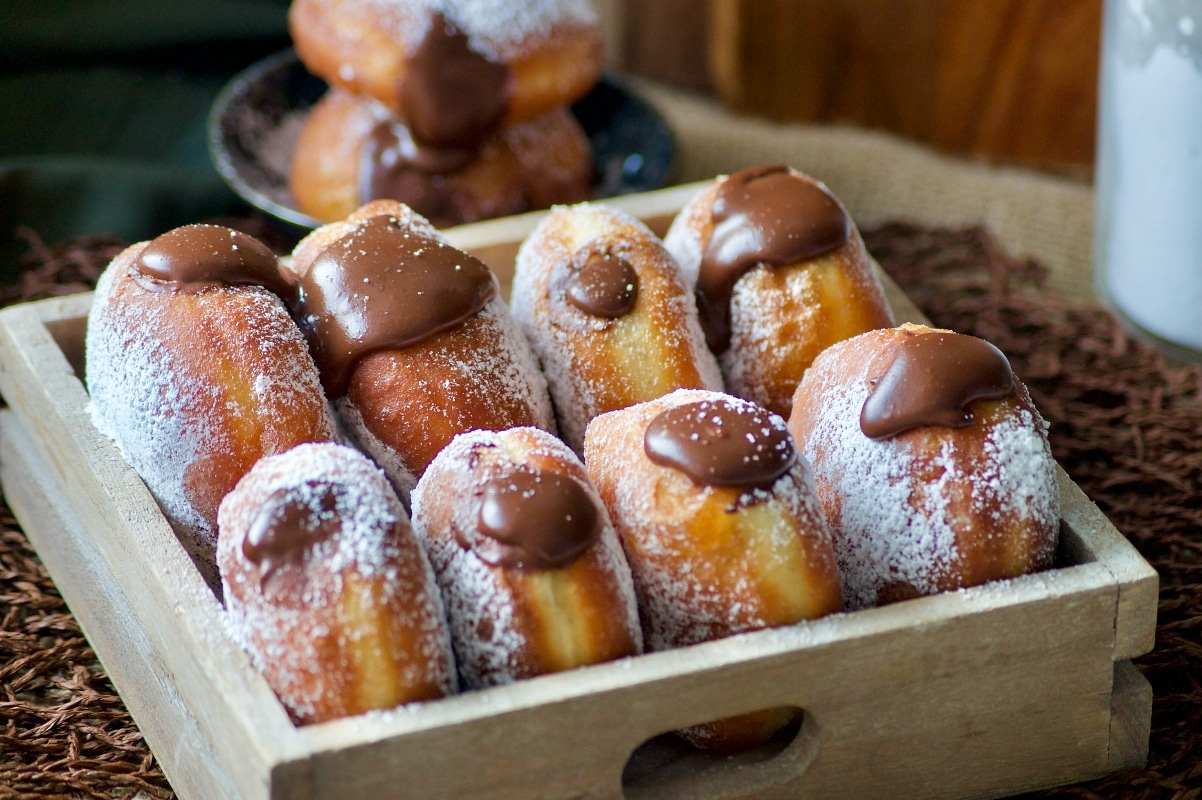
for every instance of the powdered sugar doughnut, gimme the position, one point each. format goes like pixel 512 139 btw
pixel 608 315
pixel 531 571
pixel 721 525
pixel 926 507
pixel 453 71
pixel 352 151
pixel 327 588
pixel 411 339
pixel 195 378
pixel 780 273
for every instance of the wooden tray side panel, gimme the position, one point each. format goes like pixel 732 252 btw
pixel 1139 585
pixel 108 619
pixel 237 713
pixel 965 704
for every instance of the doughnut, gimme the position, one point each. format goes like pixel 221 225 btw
pixel 780 274
pixel 196 370
pixel 931 461
pixel 413 343
pixel 608 315
pixel 351 151
pixel 531 571
pixel 721 525
pixel 453 71
pixel 327 587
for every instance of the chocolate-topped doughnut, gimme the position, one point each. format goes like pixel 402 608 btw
pixel 721 525
pixel 780 274
pixel 609 317
pixel 351 151
pixel 413 343
pixel 196 370
pixel 532 574
pixel 931 461
pixel 327 588
pixel 453 71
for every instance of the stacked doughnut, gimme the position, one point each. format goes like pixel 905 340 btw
pixel 456 107
pixel 666 512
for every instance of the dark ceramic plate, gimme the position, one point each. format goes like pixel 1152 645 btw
pixel 256 119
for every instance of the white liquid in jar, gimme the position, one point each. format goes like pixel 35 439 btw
pixel 1149 217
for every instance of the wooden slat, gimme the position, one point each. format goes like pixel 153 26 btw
pixel 1007 79
pixel 971 674
pixel 235 711
pixel 107 618
pixel 1130 718
pixel 1139 585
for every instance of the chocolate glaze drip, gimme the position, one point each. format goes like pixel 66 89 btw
pixel 721 443
pixel 393 165
pixel 602 283
pixel 383 287
pixel 451 95
pixel 540 519
pixel 931 380
pixel 762 215
pixel 287 527
pixel 197 257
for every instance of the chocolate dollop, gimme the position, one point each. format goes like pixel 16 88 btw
pixel 195 257
pixel 721 443
pixel 540 519
pixel 395 166
pixel 931 380
pixel 762 215
pixel 287 526
pixel 602 283
pixel 451 95
pixel 384 286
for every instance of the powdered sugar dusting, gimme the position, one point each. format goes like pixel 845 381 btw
pixel 309 248
pixel 177 382
pixel 387 457
pixel 594 364
pixel 502 375
pixel 296 624
pixel 913 509
pixel 133 401
pixel 782 316
pixel 494 643
pixel 703 567
pixel 499 29
pixel 692 225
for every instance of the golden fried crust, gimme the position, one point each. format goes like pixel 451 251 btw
pixel 355 625
pixel 705 564
pixel 324 175
pixel 594 364
pixel 222 377
pixel 415 400
pixel 979 503
pixel 354 45
pixel 403 405
pixel 783 317
pixel 530 165
pixel 512 623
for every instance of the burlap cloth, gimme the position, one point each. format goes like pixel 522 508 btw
pixel 1001 253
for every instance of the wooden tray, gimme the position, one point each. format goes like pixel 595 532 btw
pixel 975 693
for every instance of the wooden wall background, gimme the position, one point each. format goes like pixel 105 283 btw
pixel 1011 80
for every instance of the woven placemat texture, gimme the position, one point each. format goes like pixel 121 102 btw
pixel 1125 425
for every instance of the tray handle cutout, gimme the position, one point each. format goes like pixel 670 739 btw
pixel 665 767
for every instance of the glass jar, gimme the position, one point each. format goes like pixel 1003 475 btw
pixel 1148 235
